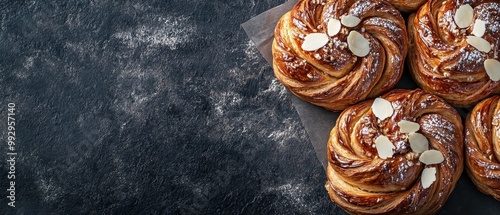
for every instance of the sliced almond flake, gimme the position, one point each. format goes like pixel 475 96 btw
pixel 418 142
pixel 384 147
pixel 431 157
pixel 314 41
pixel 407 127
pixel 463 16
pixel 350 20
pixel 382 108
pixel 479 43
pixel 333 27
pixel 492 68
pixel 428 177
pixel 479 28
pixel 358 44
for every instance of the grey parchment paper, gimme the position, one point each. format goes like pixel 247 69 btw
pixel 317 121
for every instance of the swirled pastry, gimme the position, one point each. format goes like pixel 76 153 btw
pixel 339 52
pixel 401 153
pixel 482 146
pixel 454 49
pixel 407 6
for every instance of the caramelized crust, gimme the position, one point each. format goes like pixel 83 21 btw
pixel 407 6
pixel 332 77
pixel 362 183
pixel 440 59
pixel 482 146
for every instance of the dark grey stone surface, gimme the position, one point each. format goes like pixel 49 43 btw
pixel 149 107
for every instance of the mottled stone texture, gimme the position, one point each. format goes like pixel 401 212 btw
pixel 149 107
pixel 153 107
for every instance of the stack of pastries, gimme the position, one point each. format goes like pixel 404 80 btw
pixel 395 151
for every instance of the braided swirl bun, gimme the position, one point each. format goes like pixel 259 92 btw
pixel 325 62
pixel 417 176
pixel 482 146
pixel 450 44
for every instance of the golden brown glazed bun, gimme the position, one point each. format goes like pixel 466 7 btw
pixel 482 146
pixel 332 76
pixel 361 182
pixel 440 58
pixel 407 5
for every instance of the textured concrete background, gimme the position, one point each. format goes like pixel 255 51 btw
pixel 149 107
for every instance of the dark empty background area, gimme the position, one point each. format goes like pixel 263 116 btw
pixel 150 107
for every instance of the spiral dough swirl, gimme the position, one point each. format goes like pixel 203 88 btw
pixel 361 182
pixel 440 58
pixel 482 146
pixel 407 6
pixel 332 76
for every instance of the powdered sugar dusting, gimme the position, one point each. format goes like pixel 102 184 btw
pixel 51 192
pixel 438 127
pixel 297 193
pixel 252 54
pixel 387 24
pixel 275 87
pixel 224 101
pixel 470 60
pixel 169 32
pixel 449 27
pixel 282 137
pixel 490 13
pixel 360 7
pixel 448 42
pixel 135 88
